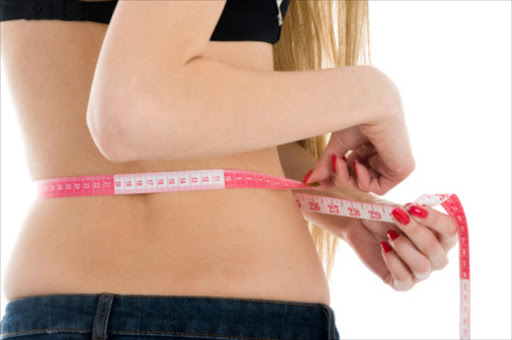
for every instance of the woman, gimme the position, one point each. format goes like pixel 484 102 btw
pixel 183 85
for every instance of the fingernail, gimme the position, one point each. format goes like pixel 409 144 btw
pixel 307 176
pixel 333 161
pixel 355 167
pixel 392 234
pixel 344 158
pixel 401 216
pixel 385 246
pixel 417 211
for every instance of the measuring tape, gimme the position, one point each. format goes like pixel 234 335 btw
pixel 151 182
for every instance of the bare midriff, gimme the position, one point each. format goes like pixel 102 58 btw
pixel 250 243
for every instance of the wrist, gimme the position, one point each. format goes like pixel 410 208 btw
pixel 383 97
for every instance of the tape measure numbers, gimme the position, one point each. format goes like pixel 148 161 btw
pixel 208 179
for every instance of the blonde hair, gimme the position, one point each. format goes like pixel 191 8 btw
pixel 315 35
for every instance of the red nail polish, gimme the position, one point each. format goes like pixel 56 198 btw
pixel 401 216
pixel 417 211
pixel 392 234
pixel 344 158
pixel 333 161
pixel 387 248
pixel 307 176
pixel 355 168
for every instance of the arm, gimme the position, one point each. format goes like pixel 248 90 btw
pixel 154 97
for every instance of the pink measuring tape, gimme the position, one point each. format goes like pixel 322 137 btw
pixel 207 179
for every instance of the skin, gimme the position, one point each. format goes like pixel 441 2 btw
pixel 422 245
pixel 145 243
pixel 155 243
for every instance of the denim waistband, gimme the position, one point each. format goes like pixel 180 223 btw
pixel 167 316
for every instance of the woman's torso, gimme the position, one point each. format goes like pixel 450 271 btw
pixel 244 242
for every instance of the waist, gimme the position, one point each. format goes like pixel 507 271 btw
pixel 194 242
pixel 62 163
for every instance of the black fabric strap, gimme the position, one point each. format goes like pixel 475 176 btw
pixel 72 10
pixel 240 19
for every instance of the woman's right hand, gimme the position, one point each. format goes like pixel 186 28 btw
pixel 381 149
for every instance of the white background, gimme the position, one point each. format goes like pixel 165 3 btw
pixel 452 64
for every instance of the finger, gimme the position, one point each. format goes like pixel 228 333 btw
pixel 374 172
pixel 417 262
pixel 445 225
pixel 321 170
pixel 363 152
pixel 373 182
pixel 362 176
pixel 341 177
pixel 399 277
pixel 323 167
pixel 339 170
pixel 342 174
pixel 375 163
pixel 421 237
pixel 360 159
pixel 385 180
pixel 381 185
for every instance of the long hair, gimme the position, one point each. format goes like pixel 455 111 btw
pixel 319 34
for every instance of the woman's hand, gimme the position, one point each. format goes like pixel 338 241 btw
pixel 420 241
pixel 381 149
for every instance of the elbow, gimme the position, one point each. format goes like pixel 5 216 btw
pixel 110 132
pixel 131 131
pixel 136 122
pixel 111 147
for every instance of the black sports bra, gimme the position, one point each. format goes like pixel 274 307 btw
pixel 258 20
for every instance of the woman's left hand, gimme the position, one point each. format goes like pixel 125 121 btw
pixel 420 241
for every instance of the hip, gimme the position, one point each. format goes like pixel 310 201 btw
pixel 242 243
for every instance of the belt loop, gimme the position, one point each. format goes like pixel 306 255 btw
pixel 334 331
pixel 331 322
pixel 99 330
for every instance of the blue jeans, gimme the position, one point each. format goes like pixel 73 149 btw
pixel 143 317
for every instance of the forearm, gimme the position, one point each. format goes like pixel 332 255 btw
pixel 209 108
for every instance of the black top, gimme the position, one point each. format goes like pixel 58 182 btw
pixel 258 20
